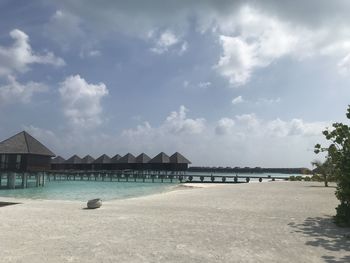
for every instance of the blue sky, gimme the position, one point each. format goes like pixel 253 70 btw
pixel 227 83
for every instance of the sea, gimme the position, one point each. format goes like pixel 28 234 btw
pixel 106 190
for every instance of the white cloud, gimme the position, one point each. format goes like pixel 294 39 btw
pixel 224 126
pixel 82 101
pixel 16 92
pixel 20 55
pixel 237 100
pixel 167 41
pixel 258 40
pixel 178 123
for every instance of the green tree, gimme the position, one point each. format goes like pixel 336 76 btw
pixel 324 169
pixel 339 156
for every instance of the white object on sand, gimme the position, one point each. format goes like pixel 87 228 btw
pixel 94 203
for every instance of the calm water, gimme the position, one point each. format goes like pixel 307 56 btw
pixel 85 190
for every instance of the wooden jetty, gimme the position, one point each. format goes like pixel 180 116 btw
pixel 14 180
pixel 152 176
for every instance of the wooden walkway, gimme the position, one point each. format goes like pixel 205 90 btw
pixel 14 180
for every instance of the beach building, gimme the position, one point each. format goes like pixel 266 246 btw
pixel 22 152
pixel 160 162
pixel 178 162
pixel 73 163
pixel 102 163
pixel 128 161
pixel 114 162
pixel 57 163
pixel 87 162
pixel 142 162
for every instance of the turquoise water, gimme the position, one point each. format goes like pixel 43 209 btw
pixel 85 190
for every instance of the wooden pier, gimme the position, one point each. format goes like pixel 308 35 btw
pixel 15 180
pixel 153 176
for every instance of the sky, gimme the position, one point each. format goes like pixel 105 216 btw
pixel 226 83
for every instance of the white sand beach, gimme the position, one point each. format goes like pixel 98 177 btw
pixel 267 222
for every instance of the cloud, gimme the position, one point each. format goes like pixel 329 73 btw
pixel 224 126
pixel 166 41
pixel 237 100
pixel 15 92
pixel 258 41
pixel 178 123
pixel 20 55
pixel 82 101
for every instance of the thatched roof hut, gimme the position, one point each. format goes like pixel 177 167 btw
pixel 75 159
pixel 58 160
pixel 178 158
pixel 104 158
pixel 87 159
pixel 127 158
pixel 115 158
pixel 24 143
pixel 23 152
pixel 142 158
pixel 178 162
pixel 160 158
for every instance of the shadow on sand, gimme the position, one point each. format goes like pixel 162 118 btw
pixel 324 233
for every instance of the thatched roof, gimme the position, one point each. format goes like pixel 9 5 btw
pixel 178 158
pixel 87 159
pixel 104 158
pixel 160 158
pixel 75 159
pixel 115 158
pixel 24 143
pixel 58 160
pixel 143 158
pixel 127 158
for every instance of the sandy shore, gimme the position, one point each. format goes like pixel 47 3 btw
pixel 268 222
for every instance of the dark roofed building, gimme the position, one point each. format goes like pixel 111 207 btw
pixel 22 152
pixel 127 161
pixel 115 158
pixel 87 162
pixel 178 162
pixel 160 162
pixel 73 163
pixel 142 162
pixel 57 163
pixel 102 163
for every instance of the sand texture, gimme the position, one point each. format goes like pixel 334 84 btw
pixel 266 222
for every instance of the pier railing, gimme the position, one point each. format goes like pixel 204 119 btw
pixel 12 180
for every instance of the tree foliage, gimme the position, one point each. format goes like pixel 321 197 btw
pixel 325 169
pixel 338 154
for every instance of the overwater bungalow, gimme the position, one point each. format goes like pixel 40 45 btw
pixel 58 163
pixel 114 162
pixel 22 152
pixel 160 162
pixel 142 162
pixel 87 162
pixel 73 163
pixel 102 163
pixel 128 161
pixel 178 162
